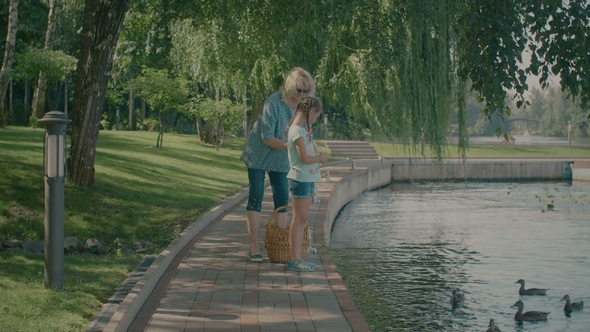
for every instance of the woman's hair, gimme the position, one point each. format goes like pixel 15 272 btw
pixel 306 105
pixel 297 78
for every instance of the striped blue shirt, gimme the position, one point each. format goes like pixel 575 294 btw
pixel 272 122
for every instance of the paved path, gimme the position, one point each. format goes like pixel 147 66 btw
pixel 211 286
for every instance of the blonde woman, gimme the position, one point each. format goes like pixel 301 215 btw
pixel 266 152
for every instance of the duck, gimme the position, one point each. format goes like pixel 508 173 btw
pixel 530 291
pixel 570 306
pixel 457 297
pixel 529 316
pixel 493 327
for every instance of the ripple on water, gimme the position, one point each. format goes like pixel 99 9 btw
pixel 401 250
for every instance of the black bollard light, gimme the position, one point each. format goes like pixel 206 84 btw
pixel 54 161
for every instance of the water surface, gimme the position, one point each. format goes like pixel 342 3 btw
pixel 402 249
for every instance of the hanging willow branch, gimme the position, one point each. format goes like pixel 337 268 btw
pixel 397 72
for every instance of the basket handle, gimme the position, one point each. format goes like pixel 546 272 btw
pixel 272 216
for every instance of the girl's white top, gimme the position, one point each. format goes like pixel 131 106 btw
pixel 299 171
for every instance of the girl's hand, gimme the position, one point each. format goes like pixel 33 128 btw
pixel 323 159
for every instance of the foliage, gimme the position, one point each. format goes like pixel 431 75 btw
pixel 401 67
pixel 342 125
pixel 160 91
pixel 492 36
pixel 224 117
pixel 31 26
pixel 55 64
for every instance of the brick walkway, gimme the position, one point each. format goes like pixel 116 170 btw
pixel 211 286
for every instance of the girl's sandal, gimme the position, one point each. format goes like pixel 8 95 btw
pixel 297 266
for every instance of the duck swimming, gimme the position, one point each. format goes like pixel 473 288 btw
pixel 570 306
pixel 493 327
pixel 530 291
pixel 529 316
pixel 457 297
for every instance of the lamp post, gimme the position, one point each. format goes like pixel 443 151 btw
pixel 55 169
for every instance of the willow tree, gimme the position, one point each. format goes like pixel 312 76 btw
pixel 405 65
pixel 244 49
pixel 391 63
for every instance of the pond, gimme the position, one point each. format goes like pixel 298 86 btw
pixel 402 249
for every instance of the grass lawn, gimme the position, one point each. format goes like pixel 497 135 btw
pixel 140 193
pixel 487 151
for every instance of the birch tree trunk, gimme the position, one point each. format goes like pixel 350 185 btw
pixel 100 30
pixel 39 95
pixel 8 57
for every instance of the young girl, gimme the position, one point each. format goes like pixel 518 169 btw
pixel 303 160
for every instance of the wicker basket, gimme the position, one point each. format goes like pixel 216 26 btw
pixel 276 240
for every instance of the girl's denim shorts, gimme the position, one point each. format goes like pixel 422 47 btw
pixel 301 189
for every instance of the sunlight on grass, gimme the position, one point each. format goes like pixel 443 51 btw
pixel 488 151
pixel 139 193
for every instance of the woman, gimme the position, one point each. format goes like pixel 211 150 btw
pixel 305 171
pixel 266 152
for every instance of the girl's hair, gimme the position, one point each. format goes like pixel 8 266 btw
pixel 297 77
pixel 306 105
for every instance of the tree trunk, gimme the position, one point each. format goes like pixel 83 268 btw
pixel 245 122
pixel 160 139
pixel 200 129
pixel 142 120
pixel 100 30
pixel 39 95
pixel 66 97
pixel 8 57
pixel 10 96
pixel 256 105
pixel 131 111
pixel 27 98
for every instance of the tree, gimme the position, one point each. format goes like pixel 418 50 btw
pixel 39 94
pixel 162 93
pixel 224 116
pixel 55 65
pixel 403 67
pixel 492 36
pixel 8 57
pixel 101 25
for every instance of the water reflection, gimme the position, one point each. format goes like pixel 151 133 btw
pixel 402 250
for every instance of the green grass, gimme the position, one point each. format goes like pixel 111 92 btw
pixel 487 151
pixel 26 305
pixel 140 193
